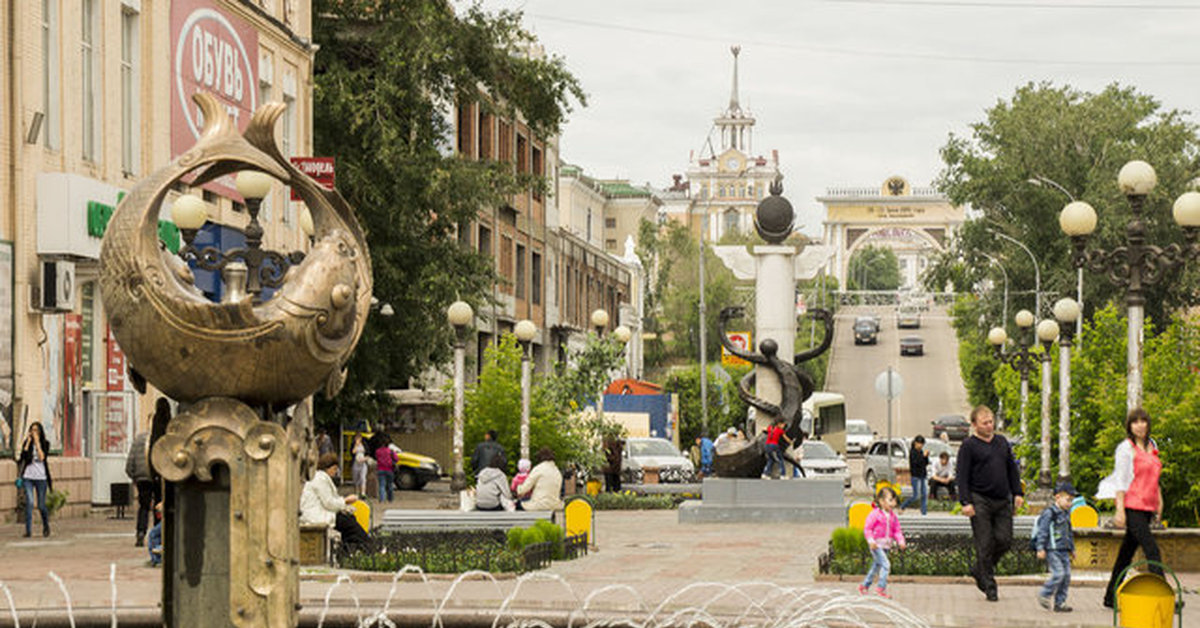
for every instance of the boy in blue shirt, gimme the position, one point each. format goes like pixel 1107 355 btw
pixel 1055 542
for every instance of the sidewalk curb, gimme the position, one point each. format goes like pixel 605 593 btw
pixel 1031 580
pixel 333 575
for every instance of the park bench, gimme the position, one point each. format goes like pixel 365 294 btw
pixel 397 520
pixel 914 525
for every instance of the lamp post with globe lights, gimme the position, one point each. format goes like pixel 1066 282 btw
pixel 1022 359
pixel 1067 312
pixel 600 320
pixel 525 331
pixel 1047 333
pixel 460 316
pixel 623 336
pixel 1136 264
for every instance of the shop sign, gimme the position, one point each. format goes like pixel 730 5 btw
pixel 319 168
pixel 739 339
pixel 214 52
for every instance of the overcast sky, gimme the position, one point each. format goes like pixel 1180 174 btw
pixel 849 92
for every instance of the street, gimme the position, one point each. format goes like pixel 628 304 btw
pixel 932 383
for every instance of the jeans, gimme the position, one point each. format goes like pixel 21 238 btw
pixel 386 487
pixel 38 486
pixel 774 457
pixel 936 487
pixel 1137 534
pixel 1059 581
pixel 154 542
pixel 992 527
pixel 880 565
pixel 920 493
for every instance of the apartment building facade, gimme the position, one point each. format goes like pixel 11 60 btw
pixel 96 97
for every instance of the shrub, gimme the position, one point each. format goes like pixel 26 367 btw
pixel 628 500
pixel 849 541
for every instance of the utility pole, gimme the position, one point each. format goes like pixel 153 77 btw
pixel 703 332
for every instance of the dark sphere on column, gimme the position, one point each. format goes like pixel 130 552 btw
pixel 774 216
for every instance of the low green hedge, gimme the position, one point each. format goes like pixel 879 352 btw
pixel 541 531
pixel 628 500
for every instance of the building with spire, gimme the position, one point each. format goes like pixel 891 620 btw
pixel 726 180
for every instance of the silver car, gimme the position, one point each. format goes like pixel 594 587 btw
pixel 655 453
pixel 821 461
pixel 875 462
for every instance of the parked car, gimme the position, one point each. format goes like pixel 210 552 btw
pixel 908 318
pixel 956 426
pixel 865 332
pixel 858 436
pixel 912 345
pixel 820 460
pixel 875 462
pixel 413 470
pixel 658 453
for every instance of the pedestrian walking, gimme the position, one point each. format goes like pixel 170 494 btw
pixel 137 467
pixel 33 473
pixel 989 489
pixel 385 469
pixel 707 450
pixel 1054 542
pixel 774 449
pixel 614 452
pixel 358 470
pixel 918 469
pixel 881 529
pixel 1134 486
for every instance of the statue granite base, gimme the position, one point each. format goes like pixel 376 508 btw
pixel 735 500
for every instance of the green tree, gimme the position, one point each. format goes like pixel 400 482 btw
pixel 1080 140
pixel 873 268
pixel 385 85
pixel 725 408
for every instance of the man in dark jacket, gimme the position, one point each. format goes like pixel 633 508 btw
pixel 485 450
pixel 614 448
pixel 989 488
pixel 918 469
pixel 137 467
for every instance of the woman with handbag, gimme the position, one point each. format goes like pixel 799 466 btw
pixel 34 475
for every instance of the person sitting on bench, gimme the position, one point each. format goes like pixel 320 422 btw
pixel 321 504
pixel 491 488
pixel 942 477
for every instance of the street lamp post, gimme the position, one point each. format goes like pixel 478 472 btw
pixel 1136 264
pixel 1041 181
pixel 623 335
pixel 1047 333
pixel 1004 313
pixel 525 331
pixel 1067 312
pixel 1022 360
pixel 460 315
pixel 600 322
pixel 1037 273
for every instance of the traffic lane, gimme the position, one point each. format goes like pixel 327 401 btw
pixel 932 382
pixel 853 368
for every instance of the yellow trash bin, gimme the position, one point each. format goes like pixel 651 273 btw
pixel 856 516
pixel 1145 601
pixel 1084 517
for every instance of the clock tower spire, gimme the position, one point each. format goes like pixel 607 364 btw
pixel 735 125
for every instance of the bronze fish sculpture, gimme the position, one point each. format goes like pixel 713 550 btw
pixel 276 352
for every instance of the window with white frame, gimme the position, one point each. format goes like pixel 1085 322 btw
pixel 288 133
pixel 87 73
pixel 130 115
pixel 50 73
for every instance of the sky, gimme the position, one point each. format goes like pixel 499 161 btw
pixel 849 92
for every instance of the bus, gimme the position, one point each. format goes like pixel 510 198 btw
pixel 824 419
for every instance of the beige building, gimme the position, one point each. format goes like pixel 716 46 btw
pixel 96 96
pixel 605 213
pixel 728 180
pixel 915 223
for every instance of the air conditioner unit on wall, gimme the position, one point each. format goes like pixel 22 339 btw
pixel 57 286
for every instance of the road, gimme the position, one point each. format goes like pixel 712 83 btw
pixel 932 382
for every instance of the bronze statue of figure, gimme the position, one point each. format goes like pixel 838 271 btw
pixel 795 384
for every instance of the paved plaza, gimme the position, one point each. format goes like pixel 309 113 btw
pixel 643 559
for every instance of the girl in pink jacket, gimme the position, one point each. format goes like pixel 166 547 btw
pixel 881 529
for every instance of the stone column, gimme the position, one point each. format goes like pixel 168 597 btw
pixel 775 315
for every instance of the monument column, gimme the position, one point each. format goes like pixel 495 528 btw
pixel 775 316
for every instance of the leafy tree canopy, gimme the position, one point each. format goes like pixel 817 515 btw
pixel 1079 140
pixel 385 84
pixel 874 268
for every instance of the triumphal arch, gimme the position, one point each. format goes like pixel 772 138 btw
pixel 916 223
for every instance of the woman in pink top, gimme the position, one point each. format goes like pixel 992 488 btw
pixel 881 528
pixel 386 469
pixel 1134 485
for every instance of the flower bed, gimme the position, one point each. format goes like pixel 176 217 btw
pixel 517 551
pixel 926 555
